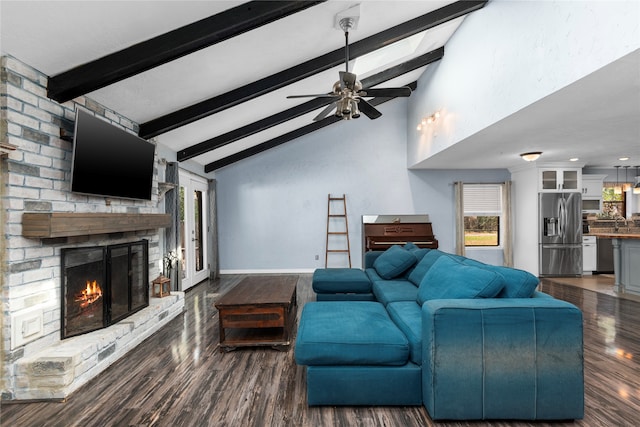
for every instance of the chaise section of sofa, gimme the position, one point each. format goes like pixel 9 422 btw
pixel 482 341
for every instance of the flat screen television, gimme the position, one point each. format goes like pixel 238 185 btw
pixel 109 161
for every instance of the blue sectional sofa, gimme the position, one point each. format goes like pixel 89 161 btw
pixel 465 339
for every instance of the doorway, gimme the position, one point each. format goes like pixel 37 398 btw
pixel 194 227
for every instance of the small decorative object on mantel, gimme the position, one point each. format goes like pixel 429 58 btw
pixel 161 287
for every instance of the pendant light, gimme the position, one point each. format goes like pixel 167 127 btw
pixel 626 186
pixel 617 189
pixel 636 188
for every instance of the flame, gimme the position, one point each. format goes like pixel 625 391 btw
pixel 89 295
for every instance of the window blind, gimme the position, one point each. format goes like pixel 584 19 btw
pixel 482 199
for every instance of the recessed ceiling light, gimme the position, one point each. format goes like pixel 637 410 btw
pixel 623 158
pixel 574 159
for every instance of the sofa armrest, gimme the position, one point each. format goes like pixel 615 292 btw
pixel 519 358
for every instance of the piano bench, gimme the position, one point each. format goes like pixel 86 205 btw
pixel 341 284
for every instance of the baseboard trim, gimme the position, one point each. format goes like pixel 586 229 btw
pixel 268 271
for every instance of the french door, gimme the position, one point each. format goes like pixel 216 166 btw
pixel 194 227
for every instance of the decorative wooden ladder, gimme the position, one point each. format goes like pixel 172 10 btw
pixel 332 226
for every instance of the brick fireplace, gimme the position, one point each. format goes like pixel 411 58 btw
pixel 36 363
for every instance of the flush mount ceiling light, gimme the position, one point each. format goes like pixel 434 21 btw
pixel 531 156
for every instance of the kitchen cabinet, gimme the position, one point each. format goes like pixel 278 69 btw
pixel 556 180
pixel 592 193
pixel 589 254
pixel 592 186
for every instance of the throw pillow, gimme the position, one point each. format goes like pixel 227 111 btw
pixel 393 262
pixel 410 246
pixel 450 279
pixel 518 283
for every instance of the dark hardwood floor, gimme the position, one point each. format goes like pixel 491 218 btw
pixel 179 377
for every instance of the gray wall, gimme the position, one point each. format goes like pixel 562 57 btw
pixel 272 207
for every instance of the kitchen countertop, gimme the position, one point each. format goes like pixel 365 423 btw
pixel 614 235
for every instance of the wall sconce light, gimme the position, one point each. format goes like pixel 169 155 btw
pixel 428 120
pixel 531 156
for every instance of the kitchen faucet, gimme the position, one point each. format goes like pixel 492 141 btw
pixel 626 224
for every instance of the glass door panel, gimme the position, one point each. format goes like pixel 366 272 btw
pixel 193 229
pixel 197 230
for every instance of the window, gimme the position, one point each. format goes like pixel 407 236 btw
pixel 482 214
pixel 613 205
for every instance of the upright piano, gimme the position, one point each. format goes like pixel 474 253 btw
pixel 380 232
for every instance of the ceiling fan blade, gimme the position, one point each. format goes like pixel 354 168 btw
pixel 368 109
pixel 347 79
pixel 387 92
pixel 324 113
pixel 321 95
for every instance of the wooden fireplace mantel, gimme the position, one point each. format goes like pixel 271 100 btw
pixel 67 224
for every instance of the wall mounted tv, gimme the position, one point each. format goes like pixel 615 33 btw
pixel 109 161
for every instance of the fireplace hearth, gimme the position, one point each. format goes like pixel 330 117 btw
pixel 102 285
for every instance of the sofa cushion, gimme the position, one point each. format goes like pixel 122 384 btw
pixel 349 333
pixel 387 291
pixel 393 262
pixel 419 253
pixel 518 283
pixel 448 278
pixel 424 265
pixel 340 280
pixel 407 315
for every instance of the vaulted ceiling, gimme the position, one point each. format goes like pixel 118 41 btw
pixel 210 80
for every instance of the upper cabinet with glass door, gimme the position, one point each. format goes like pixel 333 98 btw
pixel 558 180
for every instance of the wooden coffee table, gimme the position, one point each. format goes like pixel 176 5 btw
pixel 258 311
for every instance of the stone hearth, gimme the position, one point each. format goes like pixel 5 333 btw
pixel 56 372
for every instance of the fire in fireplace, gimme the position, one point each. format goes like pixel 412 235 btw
pixel 102 285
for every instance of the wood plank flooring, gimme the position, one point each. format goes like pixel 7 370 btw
pixel 179 376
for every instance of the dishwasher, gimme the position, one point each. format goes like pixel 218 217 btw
pixel 604 262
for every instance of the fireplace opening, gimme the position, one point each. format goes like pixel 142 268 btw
pixel 102 285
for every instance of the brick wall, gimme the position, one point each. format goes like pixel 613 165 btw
pixel 36 177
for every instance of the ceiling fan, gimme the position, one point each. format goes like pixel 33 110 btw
pixel 348 94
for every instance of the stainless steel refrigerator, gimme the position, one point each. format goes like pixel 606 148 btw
pixel 560 231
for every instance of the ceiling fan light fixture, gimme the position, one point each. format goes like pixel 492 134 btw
pixel 355 112
pixel 531 156
pixel 348 90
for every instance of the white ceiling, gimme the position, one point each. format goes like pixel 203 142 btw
pixel 595 117
pixel 596 120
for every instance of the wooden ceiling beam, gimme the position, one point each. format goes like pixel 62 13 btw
pixel 279 140
pixel 265 85
pixel 304 108
pixel 167 47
